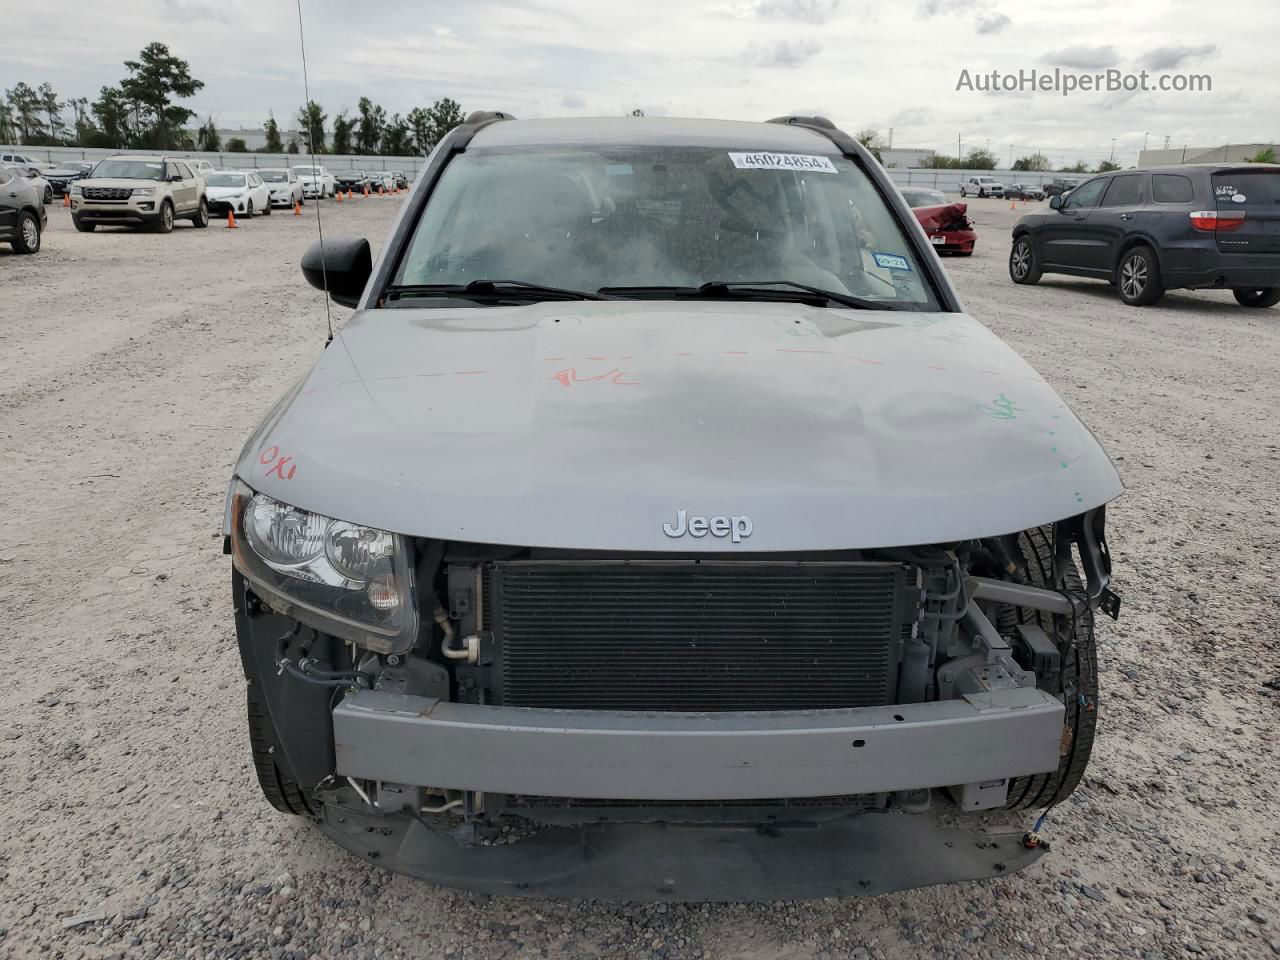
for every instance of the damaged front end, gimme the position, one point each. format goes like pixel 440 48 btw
pixel 663 726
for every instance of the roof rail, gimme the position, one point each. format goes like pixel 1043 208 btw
pixel 822 122
pixel 485 116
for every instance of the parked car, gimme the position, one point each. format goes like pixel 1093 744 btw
pixel 63 175
pixel 202 167
pixel 316 180
pixel 152 191
pixel 401 181
pixel 355 180
pixel 590 528
pixel 948 227
pixel 239 191
pixel 381 180
pixel 981 187
pixel 22 160
pixel 923 197
pixel 1024 191
pixel 285 188
pixel 1056 188
pixel 22 214
pixel 35 179
pixel 1213 226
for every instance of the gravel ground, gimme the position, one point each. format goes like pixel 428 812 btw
pixel 132 367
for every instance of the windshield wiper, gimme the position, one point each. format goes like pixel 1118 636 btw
pixel 489 290
pixel 753 289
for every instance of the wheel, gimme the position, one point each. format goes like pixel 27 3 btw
pixel 164 223
pixel 281 790
pixel 1259 297
pixel 267 211
pixel 248 213
pixel 1077 684
pixel 82 225
pixel 982 194
pixel 26 239
pixel 201 217
pixel 1138 277
pixel 962 193
pixel 1024 265
pixel 48 194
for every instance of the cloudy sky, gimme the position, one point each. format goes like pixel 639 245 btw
pixel 864 64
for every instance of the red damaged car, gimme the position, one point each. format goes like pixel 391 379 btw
pixel 948 227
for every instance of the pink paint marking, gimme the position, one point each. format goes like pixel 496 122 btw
pixel 283 467
pixel 990 372
pixel 821 353
pixel 553 358
pixel 597 358
pixel 684 354
pixel 934 367
pixel 569 376
pixel 874 363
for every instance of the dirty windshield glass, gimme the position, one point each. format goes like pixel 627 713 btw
pixel 225 180
pixel 632 217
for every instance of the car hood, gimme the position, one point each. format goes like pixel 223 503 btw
pixel 590 424
pixel 119 182
pixel 949 216
pixel 215 193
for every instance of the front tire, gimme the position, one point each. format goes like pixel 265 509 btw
pixel 164 223
pixel 201 217
pixel 48 194
pixel 1259 297
pixel 1138 277
pixel 1077 684
pixel 248 211
pixel 26 239
pixel 83 226
pixel 280 789
pixel 1024 263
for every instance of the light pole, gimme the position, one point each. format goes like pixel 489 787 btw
pixel 1113 150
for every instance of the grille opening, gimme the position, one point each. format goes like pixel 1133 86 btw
pixel 696 636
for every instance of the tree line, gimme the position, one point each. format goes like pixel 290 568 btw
pixel 143 111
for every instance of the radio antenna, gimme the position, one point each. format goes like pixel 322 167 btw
pixel 311 146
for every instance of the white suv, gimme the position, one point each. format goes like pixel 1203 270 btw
pixel 142 191
pixel 982 187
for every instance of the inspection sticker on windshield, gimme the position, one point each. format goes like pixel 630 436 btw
pixel 890 261
pixel 783 161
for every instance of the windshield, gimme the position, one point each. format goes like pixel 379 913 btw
pixel 924 198
pixel 129 170
pixel 603 217
pixel 225 180
pixel 273 176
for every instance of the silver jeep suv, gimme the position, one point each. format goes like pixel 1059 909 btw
pixel 140 191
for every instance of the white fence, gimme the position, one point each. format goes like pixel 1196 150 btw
pixel 945 180
pixel 237 161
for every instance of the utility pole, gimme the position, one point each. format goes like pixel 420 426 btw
pixel 890 138
pixel 1011 156
pixel 1113 150
pixel 1145 134
pixel 1167 138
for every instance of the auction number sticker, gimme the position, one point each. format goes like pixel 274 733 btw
pixel 783 161
pixel 891 261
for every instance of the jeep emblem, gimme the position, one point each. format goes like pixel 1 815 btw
pixel 736 528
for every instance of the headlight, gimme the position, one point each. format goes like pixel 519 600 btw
pixel 348 580
pixel 76 189
pixel 144 191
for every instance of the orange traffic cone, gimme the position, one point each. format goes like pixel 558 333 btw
pixel 66 199
pixel 297 209
pixel 338 195
pixel 366 189
pixel 231 219
pixel 348 193
pixel 1012 205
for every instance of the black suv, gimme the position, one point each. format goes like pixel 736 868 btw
pixel 1148 231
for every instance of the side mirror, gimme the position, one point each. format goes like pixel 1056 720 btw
pixel 345 265
pixel 1055 203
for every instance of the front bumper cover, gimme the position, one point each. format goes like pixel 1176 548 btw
pixel 703 756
